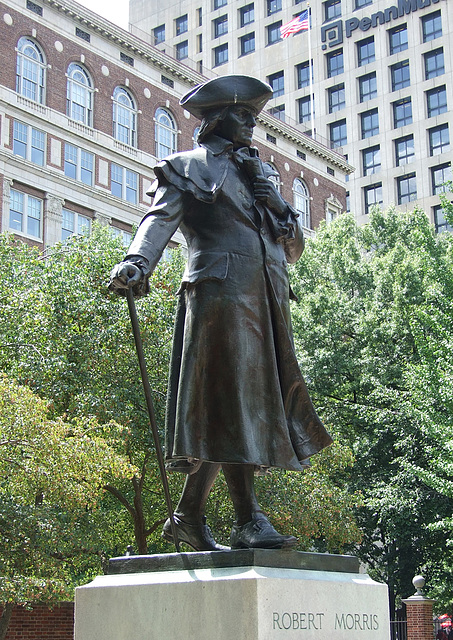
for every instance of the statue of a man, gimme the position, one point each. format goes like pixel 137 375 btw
pixel 236 397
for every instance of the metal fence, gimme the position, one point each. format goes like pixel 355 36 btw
pixel 398 630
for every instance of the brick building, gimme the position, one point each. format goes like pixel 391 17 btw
pixel 42 623
pixel 86 111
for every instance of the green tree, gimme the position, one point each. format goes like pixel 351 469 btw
pixel 51 478
pixel 362 292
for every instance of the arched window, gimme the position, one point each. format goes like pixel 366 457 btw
pixel 273 175
pixel 30 70
pixel 124 117
pixel 79 95
pixel 302 201
pixel 165 134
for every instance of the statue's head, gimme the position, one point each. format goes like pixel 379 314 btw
pixel 228 106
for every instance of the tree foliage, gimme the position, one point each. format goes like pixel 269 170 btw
pixel 373 327
pixel 51 477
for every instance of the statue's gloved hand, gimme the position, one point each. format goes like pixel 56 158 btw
pixel 265 192
pixel 132 273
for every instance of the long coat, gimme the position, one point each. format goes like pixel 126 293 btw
pixel 236 394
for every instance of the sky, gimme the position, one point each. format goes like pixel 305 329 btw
pixel 116 11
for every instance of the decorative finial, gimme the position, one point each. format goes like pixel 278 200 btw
pixel 419 583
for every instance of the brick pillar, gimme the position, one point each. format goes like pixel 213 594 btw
pixel 419 613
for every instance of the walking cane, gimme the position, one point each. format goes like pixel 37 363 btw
pixel 151 414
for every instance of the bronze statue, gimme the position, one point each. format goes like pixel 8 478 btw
pixel 236 397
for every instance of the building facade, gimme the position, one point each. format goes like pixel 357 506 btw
pixel 87 110
pixel 381 80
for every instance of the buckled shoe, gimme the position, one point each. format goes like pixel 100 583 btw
pixel 259 534
pixel 197 536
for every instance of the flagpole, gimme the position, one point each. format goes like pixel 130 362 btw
pixel 310 74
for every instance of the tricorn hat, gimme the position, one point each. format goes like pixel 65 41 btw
pixel 225 91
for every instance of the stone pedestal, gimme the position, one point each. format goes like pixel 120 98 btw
pixel 250 595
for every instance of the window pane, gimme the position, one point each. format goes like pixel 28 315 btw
pixel 400 75
pixel 303 74
pixel 182 50
pixel 86 167
pixel 402 112
pixel 247 14
pixel 273 6
pixel 337 100
pixel 38 142
pixel 404 150
pixel 20 139
pixel 332 9
pixel 304 109
pixel 273 32
pixel 434 64
pixel 440 221
pixel 34 217
pixel 370 123
pixel 368 87
pixel 79 95
pixel 220 26
pixel 371 159
pixel 165 133
pixel 181 24
pixel 221 54
pixel 131 186
pixel 436 101
pixel 338 135
pixel 301 201
pixel 335 64
pixel 116 173
pixel 365 51
pixel 248 44
pixel 439 140
pixel 68 224
pixel 398 39
pixel 16 210
pixel 70 168
pixel 373 196
pixel 407 188
pixel 277 82
pixel 432 26
pixel 83 225
pixel 159 34
pixel 440 176
pixel 30 70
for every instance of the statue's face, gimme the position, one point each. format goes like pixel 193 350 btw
pixel 237 126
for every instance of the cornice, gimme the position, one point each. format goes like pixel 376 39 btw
pixel 126 40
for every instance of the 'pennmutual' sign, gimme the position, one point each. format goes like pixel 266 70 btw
pixel 332 33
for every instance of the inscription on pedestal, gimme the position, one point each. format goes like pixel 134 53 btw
pixel 309 621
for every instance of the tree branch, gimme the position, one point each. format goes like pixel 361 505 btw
pixel 119 496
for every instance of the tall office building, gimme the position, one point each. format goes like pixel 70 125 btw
pixel 87 110
pixel 382 80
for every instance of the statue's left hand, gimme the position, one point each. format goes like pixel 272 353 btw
pixel 266 193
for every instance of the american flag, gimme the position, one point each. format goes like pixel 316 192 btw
pixel 299 23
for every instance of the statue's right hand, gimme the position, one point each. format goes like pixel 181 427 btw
pixel 127 275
